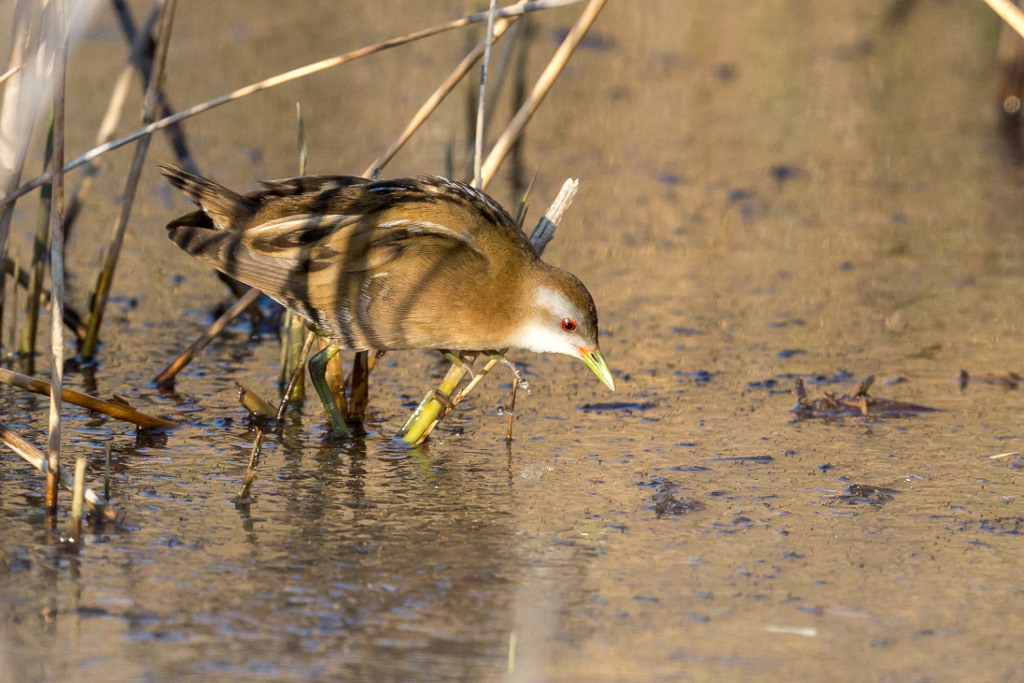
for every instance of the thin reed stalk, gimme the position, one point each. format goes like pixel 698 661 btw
pixel 56 259
pixel 27 346
pixel 13 341
pixel 77 498
pixel 119 411
pixel 301 72
pixel 22 278
pixel 14 139
pixel 541 88
pixel 1009 12
pixel 143 61
pixel 293 328
pixel 37 459
pixel 10 72
pixel 478 147
pixel 106 275
pixel 108 126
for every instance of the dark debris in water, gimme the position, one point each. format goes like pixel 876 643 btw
pixel 1009 380
pixel 668 504
pixel 865 494
pixel 784 172
pixel 746 459
pixel 859 404
pixel 667 501
pixel 617 407
pixel 700 377
pixel 1000 526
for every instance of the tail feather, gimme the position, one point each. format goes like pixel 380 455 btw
pixel 226 208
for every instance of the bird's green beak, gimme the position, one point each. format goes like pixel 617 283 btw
pixel 595 361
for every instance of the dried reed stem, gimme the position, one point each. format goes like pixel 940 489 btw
pixel 10 72
pixel 27 346
pixel 77 497
pixel 435 99
pixel 540 89
pixel 108 126
pixel 56 259
pixel 478 147
pixel 1009 12
pixel 22 278
pixel 246 300
pixel 106 275
pixel 115 410
pixel 36 458
pixel 292 75
pixel 13 140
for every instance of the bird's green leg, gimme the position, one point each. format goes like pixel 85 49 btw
pixel 318 373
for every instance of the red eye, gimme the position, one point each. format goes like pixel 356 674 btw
pixel 569 325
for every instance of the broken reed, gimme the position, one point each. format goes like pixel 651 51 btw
pixel 56 259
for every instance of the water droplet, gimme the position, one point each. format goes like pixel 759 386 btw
pixel 523 384
pixel 501 410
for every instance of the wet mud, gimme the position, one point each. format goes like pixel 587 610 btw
pixel 769 192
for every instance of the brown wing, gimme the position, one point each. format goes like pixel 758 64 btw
pixel 361 259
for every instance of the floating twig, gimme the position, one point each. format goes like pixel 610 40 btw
pixel 859 404
pixel 119 411
pixel 1009 380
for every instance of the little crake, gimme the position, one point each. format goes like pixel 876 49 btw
pixel 411 263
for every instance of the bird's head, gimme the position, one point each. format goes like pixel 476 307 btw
pixel 561 318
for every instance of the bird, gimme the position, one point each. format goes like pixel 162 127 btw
pixel 408 263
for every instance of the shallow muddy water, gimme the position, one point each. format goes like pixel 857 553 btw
pixel 768 191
